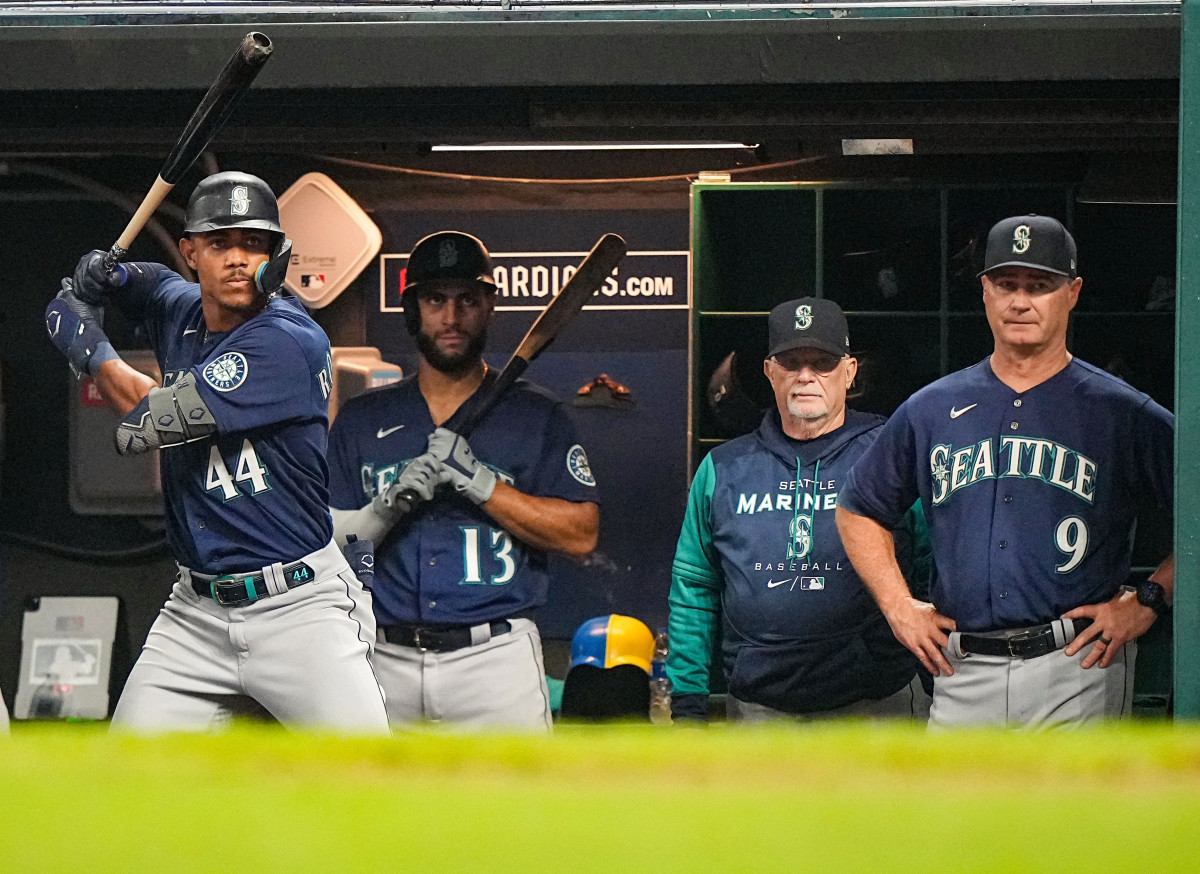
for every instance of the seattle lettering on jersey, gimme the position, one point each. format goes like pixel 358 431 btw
pixel 1023 457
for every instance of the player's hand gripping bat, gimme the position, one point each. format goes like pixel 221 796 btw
pixel 233 80
pixel 596 267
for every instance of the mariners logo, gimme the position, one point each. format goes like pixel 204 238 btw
pixel 803 317
pixel 577 465
pixel 227 372
pixel 801 544
pixel 1021 240
pixel 447 254
pixel 239 200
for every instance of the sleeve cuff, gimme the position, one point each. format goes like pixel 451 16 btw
pixel 689 708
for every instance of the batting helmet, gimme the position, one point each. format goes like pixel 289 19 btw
pixel 239 200
pixel 608 641
pixel 444 255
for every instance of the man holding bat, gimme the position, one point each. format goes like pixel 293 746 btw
pixel 458 576
pixel 265 608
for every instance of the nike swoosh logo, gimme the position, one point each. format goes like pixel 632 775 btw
pixel 190 331
pixel 771 584
pixel 954 414
pixel 383 432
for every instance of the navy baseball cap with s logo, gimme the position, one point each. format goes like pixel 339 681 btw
pixel 808 322
pixel 1035 241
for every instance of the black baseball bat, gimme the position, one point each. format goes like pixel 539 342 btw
pixel 590 275
pixel 233 80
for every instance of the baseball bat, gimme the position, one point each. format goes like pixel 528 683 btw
pixel 590 275
pixel 233 80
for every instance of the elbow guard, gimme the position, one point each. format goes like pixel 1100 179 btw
pixel 168 416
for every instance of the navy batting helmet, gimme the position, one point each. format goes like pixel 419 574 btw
pixel 444 255
pixel 239 200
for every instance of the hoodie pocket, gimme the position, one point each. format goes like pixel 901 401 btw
pixel 819 675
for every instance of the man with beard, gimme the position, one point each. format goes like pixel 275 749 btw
pixel 458 576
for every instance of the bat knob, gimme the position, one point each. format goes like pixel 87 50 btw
pixel 403 502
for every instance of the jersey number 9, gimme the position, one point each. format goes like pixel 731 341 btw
pixel 1071 537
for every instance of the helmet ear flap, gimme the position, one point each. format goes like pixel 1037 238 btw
pixel 269 276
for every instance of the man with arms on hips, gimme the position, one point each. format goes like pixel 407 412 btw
pixel 760 568
pixel 457 579
pixel 1031 466
pixel 265 606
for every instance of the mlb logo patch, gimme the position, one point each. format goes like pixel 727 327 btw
pixel 312 280
pixel 811 583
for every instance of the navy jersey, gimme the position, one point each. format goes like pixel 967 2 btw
pixel 256 492
pixel 1030 496
pixel 449 561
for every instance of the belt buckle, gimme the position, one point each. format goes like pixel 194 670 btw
pixel 1029 634
pixel 417 639
pixel 215 588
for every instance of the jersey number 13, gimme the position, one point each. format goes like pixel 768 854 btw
pixel 501 551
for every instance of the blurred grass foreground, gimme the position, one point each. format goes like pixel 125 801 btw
pixel 828 798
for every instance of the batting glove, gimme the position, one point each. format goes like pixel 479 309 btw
pixel 74 329
pixel 92 282
pixel 420 476
pixel 466 473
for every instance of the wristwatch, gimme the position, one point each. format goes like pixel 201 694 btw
pixel 1154 596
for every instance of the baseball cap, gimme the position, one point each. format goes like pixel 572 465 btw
pixel 808 322
pixel 1036 241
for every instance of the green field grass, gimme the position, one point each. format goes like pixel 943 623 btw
pixel 820 798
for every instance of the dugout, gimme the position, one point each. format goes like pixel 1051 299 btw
pixel 1075 106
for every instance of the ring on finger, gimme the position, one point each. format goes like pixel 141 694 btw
pixel 1104 640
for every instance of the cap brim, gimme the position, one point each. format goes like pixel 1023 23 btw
pixel 802 343
pixel 1042 267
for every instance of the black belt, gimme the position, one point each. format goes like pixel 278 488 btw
pixel 232 590
pixel 443 639
pixel 1028 643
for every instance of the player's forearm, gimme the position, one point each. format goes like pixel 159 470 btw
pixel 122 386
pixel 872 552
pixel 551 524
pixel 142 278
pixel 372 522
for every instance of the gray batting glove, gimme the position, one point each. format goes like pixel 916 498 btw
pixel 465 472
pixel 420 476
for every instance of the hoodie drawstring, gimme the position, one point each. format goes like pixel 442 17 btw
pixel 812 525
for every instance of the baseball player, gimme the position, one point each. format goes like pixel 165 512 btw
pixel 759 565
pixel 1031 466
pixel 265 606
pixel 458 578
